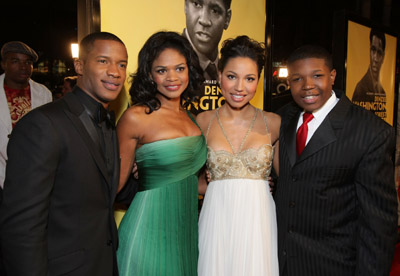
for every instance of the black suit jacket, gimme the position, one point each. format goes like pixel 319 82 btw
pixel 336 203
pixel 57 211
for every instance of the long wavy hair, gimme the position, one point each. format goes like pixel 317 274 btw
pixel 143 90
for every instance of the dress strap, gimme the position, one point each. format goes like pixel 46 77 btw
pixel 193 119
pixel 209 124
pixel 245 136
pixel 265 120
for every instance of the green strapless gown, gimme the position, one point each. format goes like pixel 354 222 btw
pixel 159 234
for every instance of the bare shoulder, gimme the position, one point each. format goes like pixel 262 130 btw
pixel 133 114
pixel 272 117
pixel 203 119
pixel 274 124
pixel 132 121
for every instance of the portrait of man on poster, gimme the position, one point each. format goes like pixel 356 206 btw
pixel 206 21
pixel 369 92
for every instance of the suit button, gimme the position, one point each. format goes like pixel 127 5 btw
pixel 294 179
pixel 290 231
pixel 292 204
pixel 284 252
pixel 109 242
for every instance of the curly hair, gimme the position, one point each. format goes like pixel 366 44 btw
pixel 242 46
pixel 143 90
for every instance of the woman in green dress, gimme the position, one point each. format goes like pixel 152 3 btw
pixel 158 234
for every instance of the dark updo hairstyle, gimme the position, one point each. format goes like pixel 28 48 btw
pixel 143 90
pixel 242 46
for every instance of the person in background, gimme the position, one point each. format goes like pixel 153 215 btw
pixel 62 174
pixel 158 234
pixel 69 83
pixel 335 198
pixel 18 92
pixel 237 225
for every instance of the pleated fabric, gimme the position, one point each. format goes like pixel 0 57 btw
pixel 237 230
pixel 158 235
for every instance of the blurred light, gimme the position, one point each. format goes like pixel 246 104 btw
pixel 275 73
pixel 75 50
pixel 283 72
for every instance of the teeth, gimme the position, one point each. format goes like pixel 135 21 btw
pixel 237 96
pixel 309 97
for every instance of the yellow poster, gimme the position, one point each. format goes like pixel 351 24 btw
pixel 371 61
pixel 134 21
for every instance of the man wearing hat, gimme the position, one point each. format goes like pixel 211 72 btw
pixel 18 93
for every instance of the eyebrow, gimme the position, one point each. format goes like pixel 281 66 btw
pixel 218 6
pixel 163 66
pixel 108 57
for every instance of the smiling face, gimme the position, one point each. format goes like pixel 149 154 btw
pixel 239 81
pixel 103 70
pixel 171 74
pixel 311 82
pixel 18 69
pixel 205 22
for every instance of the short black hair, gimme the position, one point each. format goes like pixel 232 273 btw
pixel 380 35
pixel 72 80
pixel 88 41
pixel 242 46
pixel 143 90
pixel 311 51
pixel 227 3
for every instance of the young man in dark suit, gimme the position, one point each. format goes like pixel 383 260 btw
pixel 63 172
pixel 335 199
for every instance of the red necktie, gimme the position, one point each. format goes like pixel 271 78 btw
pixel 302 133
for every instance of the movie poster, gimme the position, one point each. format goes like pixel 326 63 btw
pixel 371 61
pixel 205 27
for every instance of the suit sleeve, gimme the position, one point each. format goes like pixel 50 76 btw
pixel 377 199
pixel 30 174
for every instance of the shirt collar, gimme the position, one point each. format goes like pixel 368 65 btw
pixel 91 105
pixel 324 110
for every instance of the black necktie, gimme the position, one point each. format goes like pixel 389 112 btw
pixel 212 71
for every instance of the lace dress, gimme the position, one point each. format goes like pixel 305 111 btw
pixel 237 225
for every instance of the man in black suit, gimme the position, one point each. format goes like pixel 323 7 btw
pixel 335 199
pixel 63 172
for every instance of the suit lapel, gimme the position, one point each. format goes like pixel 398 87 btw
pixel 116 169
pixel 326 132
pixel 322 137
pixel 290 137
pixel 82 123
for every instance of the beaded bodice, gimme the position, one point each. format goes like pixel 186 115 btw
pixel 250 163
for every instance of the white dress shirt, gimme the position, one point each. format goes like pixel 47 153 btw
pixel 319 116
